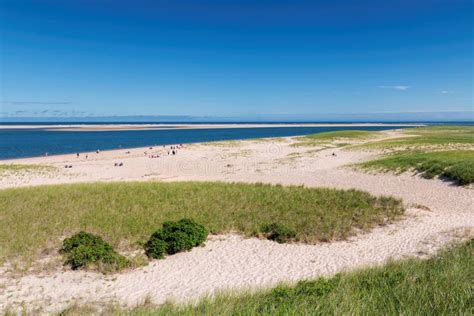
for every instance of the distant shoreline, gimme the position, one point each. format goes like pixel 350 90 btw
pixel 132 127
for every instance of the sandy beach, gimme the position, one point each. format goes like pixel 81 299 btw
pixel 438 212
pixel 236 158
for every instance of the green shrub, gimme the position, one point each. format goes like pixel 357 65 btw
pixel 155 247
pixel 175 237
pixel 278 232
pixel 84 249
pixel 183 235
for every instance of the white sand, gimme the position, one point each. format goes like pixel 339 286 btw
pixel 229 262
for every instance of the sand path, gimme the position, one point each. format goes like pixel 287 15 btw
pixel 230 262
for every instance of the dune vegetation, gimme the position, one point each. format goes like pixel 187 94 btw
pixel 425 138
pixel 83 250
pixel 457 166
pixel 223 143
pixel 444 151
pixel 241 142
pixel 126 214
pixel 327 138
pixel 23 168
pixel 174 237
pixel 440 285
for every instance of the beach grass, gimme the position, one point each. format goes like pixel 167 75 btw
pixel 329 137
pixel 440 285
pixel 456 165
pixel 432 151
pixel 23 168
pixel 36 219
pixel 428 137
pixel 242 142
pixel 223 143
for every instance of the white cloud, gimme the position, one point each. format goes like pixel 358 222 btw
pixel 446 92
pixel 401 88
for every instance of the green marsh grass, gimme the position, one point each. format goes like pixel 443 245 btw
pixel 36 218
pixel 441 285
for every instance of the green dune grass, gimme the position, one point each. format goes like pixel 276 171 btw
pixel 428 137
pixel 441 285
pixel 328 137
pixel 20 168
pixel 445 151
pixel 36 218
pixel 457 166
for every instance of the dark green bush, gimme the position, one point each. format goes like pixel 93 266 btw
pixel 178 241
pixel 183 235
pixel 278 232
pixel 175 237
pixel 155 247
pixel 84 249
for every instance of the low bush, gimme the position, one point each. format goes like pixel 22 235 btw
pixel 84 249
pixel 278 232
pixel 175 237
pixel 155 247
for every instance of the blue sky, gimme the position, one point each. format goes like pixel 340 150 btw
pixel 234 58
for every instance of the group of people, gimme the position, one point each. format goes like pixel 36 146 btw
pixel 87 156
pixel 77 156
pixel 172 150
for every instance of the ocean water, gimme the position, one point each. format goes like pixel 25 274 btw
pixel 20 143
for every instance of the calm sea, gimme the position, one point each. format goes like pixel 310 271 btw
pixel 18 143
